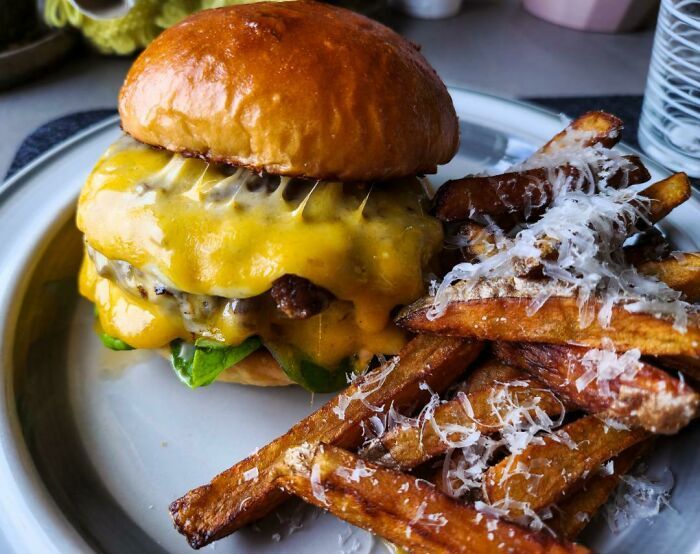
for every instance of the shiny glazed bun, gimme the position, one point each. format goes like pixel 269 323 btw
pixel 293 88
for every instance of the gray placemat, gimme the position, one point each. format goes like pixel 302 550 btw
pixel 626 107
pixel 52 133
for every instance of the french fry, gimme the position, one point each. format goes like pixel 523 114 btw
pixel 651 244
pixel 573 513
pixel 666 195
pixel 483 242
pixel 589 129
pixel 482 378
pixel 648 397
pixel 688 365
pixel 407 511
pixel 518 196
pixel 480 241
pixel 231 500
pixel 481 410
pixel 556 465
pixel 507 318
pixel 488 373
pixel 680 271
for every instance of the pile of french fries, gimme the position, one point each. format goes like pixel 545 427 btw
pixel 382 454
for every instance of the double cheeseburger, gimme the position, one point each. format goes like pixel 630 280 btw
pixel 264 213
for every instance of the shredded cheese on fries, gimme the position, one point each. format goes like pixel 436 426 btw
pixel 605 365
pixel 638 497
pixel 577 244
pixel 367 383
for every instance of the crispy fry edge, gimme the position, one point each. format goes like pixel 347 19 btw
pixel 390 504
pixel 230 501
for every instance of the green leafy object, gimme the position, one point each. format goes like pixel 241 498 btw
pixel 199 364
pixel 313 377
pixel 113 343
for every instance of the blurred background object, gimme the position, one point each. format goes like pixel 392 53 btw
pixel 604 16
pixel 669 129
pixel 26 45
pixel 124 26
pixel 18 22
pixel 428 9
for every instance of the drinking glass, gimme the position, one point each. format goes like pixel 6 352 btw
pixel 669 129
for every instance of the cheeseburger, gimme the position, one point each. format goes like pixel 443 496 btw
pixel 264 213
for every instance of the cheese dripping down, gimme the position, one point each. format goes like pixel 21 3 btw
pixel 214 236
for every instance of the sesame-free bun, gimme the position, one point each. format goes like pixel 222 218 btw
pixel 293 88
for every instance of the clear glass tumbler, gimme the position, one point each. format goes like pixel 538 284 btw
pixel 669 129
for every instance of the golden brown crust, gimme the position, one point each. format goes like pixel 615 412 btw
pixel 295 88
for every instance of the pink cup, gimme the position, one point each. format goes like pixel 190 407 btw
pixel 603 16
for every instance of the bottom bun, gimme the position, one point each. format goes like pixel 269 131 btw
pixel 259 369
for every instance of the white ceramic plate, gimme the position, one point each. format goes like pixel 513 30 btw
pixel 95 444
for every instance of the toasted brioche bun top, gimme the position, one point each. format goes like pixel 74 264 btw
pixel 293 88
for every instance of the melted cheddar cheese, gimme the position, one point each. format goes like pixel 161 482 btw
pixel 203 229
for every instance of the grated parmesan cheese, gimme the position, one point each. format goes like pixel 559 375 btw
pixel 607 468
pixel 367 383
pixel 586 226
pixel 348 542
pixel 436 520
pixel 251 474
pixel 638 497
pixel 605 365
pixel 471 452
pixel 355 474
pixel 316 486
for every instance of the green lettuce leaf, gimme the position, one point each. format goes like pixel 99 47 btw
pixel 198 364
pixel 313 377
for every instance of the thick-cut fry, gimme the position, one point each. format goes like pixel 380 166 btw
pixel 688 365
pixel 557 321
pixel 482 378
pixel 405 510
pixel 483 242
pixel 520 195
pixel 480 241
pixel 481 410
pixel 571 515
pixel 487 373
pixel 545 472
pixel 666 195
pixel 680 271
pixel 651 244
pixel 230 501
pixel 589 129
pixel 647 397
